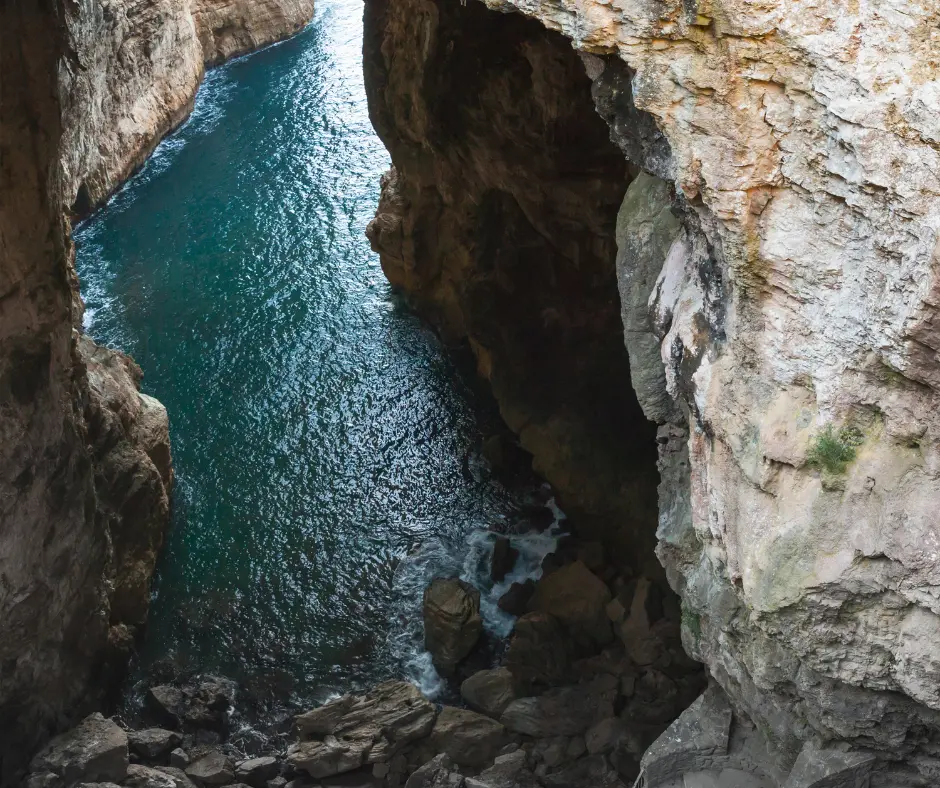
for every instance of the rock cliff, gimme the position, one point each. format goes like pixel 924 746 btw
pixel 86 91
pixel 778 266
pixel 132 72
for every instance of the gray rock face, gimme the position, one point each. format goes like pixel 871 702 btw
pixel 146 777
pixel 153 743
pixel 452 622
pixel 93 751
pixel 469 739
pixel 489 691
pixel 439 772
pixel 353 731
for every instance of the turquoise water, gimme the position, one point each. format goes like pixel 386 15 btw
pixel 326 445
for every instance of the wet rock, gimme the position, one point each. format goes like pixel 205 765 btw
pixel 209 701
pixel 93 751
pixel 439 772
pixel 563 711
pixel 516 599
pixel 353 731
pixel 257 771
pixel 469 739
pixel 179 758
pixel 452 622
pixel 213 768
pixel 489 691
pixel 504 559
pixel 578 599
pixel 539 651
pixel 166 703
pixel 153 743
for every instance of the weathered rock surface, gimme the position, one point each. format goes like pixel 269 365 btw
pixel 94 751
pixel 577 598
pixel 563 711
pixel 489 691
pixel 452 622
pixel 466 737
pixel 353 731
pixel 153 743
pixel 213 768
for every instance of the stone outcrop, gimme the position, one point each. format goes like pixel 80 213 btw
pixel 134 71
pixel 452 622
pixel 777 269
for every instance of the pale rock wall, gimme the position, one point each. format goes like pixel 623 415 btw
pixel 801 291
pixel 133 71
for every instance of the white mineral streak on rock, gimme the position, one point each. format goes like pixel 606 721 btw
pixel 806 136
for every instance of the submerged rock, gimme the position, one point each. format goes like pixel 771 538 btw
pixel 504 559
pixel 452 622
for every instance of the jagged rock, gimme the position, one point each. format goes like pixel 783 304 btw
pixel 539 651
pixel 508 771
pixel 179 758
pixel 829 768
pixel 452 622
pixel 577 598
pixel 489 691
pixel 353 731
pixel 177 775
pixel 468 738
pixel 153 743
pixel 276 782
pixel 552 751
pixel 93 751
pixel 516 600
pixel 692 742
pixel 208 702
pixel 257 771
pixel 563 711
pixel 504 559
pixel 439 772
pixel 213 768
pixel 166 702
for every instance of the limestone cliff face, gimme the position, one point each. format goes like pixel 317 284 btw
pixel 778 268
pixel 133 71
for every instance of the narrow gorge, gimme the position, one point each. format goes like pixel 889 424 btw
pixel 690 251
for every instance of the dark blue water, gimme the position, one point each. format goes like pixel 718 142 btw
pixel 326 445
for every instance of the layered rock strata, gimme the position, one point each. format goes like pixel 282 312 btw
pixel 777 269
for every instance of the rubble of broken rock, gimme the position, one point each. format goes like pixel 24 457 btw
pixel 593 674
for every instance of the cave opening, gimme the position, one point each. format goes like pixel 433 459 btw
pixel 525 184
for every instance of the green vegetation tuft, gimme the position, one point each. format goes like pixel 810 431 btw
pixel 832 450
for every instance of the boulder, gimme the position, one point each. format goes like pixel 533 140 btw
pixel 179 758
pixel 257 771
pixel 578 599
pixel 469 739
pixel 516 599
pixel 439 772
pixel 489 691
pixel 508 771
pixel 452 622
pixel 605 736
pixel 177 775
pixel 353 731
pixel 563 711
pixel 166 703
pixel 208 702
pixel 504 559
pixel 593 771
pixel 153 743
pixel 146 777
pixel 93 751
pixel 539 651
pixel 213 768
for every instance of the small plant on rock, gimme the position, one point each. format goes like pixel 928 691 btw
pixel 833 450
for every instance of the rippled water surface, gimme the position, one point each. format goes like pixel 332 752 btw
pixel 326 446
